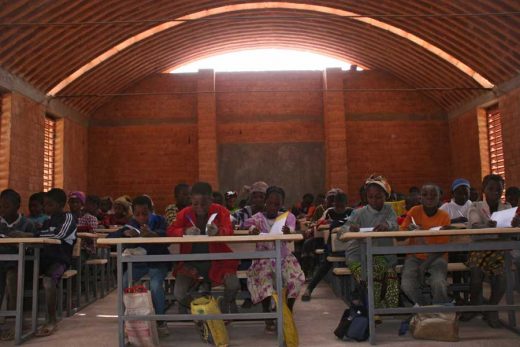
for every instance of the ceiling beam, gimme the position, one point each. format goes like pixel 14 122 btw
pixel 11 82
pixel 488 98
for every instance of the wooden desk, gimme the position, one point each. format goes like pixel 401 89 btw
pixel 368 251
pixel 20 258
pixel 277 254
pixel 107 230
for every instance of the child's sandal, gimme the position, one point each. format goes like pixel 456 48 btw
pixel 46 330
pixel 7 335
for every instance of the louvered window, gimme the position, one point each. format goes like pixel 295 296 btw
pixel 496 150
pixel 49 153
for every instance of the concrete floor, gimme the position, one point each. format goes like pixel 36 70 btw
pixel 96 325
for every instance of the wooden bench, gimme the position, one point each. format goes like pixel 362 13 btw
pixel 67 277
pixel 452 267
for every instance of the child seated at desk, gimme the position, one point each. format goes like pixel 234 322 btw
pixel 381 217
pixel 486 263
pixel 85 221
pixel 261 274
pixel 335 217
pixel 55 259
pixel 147 224
pixel 36 214
pixel 431 268
pixel 12 224
pixel 193 220
pixel 122 212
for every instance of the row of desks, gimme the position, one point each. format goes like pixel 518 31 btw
pixel 22 244
pixel 235 239
pixel 369 250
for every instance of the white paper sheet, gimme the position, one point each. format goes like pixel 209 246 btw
pixel 212 218
pixel 436 228
pixel 365 230
pixel 504 217
pixel 278 224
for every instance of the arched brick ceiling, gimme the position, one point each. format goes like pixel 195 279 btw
pixel 46 55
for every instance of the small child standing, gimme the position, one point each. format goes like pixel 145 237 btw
pixel 55 259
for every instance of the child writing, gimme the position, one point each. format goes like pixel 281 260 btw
pixel 55 259
pixel 420 268
pixel 380 217
pixel 487 263
pixel 193 220
pixel 145 223
pixel 260 276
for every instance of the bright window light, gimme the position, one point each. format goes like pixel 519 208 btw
pixel 264 60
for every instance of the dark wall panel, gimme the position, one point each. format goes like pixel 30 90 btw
pixel 296 167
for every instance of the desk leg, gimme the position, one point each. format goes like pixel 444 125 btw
pixel 509 289
pixel 129 273
pixel 19 296
pixel 279 290
pixel 36 275
pixel 120 308
pixel 78 284
pixel 370 291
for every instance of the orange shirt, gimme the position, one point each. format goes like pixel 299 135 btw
pixel 441 218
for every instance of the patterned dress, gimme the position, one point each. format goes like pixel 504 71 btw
pixel 261 275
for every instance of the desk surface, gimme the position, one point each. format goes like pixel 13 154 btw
pixel 82 235
pixel 202 238
pixel 32 240
pixel 457 232
pixel 107 230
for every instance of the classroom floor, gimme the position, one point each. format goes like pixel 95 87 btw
pixel 96 325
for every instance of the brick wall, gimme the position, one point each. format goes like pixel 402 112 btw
pixel 469 143
pixel 75 156
pixel 407 153
pixel 142 159
pixel 400 134
pixel 23 129
pixel 291 112
pixel 510 110
pixel 465 147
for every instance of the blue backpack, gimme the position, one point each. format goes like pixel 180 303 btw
pixel 353 324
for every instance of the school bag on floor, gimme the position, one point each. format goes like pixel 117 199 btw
pixel 138 301
pixel 437 326
pixel 290 333
pixel 353 324
pixel 211 331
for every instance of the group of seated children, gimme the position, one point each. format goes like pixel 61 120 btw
pixel 195 206
pixel 50 220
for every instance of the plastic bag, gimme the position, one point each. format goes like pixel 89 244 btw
pixel 138 301
pixel 439 326
pixel 290 332
pixel 212 331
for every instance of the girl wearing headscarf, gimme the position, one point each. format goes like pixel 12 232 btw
pixel 122 212
pixel 381 217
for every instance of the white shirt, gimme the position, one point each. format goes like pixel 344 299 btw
pixel 455 210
